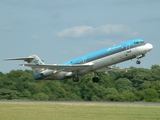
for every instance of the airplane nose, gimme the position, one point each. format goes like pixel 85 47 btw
pixel 149 47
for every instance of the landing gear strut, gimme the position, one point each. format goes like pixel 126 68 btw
pixel 75 77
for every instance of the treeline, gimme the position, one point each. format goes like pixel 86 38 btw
pixel 137 84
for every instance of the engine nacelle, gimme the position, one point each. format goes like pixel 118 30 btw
pixel 47 72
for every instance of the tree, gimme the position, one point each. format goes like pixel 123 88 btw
pixel 150 95
pixel 6 94
pixel 138 84
pixel 40 96
pixel 155 72
pixel 157 86
pixel 111 95
pixel 107 80
pixel 128 96
pixel 123 84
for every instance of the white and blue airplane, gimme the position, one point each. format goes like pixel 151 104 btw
pixel 96 62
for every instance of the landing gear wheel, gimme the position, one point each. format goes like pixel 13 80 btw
pixel 95 79
pixel 75 79
pixel 138 62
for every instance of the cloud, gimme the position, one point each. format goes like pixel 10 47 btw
pixel 112 29
pixel 77 31
pixel 89 31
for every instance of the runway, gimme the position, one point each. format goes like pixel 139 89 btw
pixel 85 102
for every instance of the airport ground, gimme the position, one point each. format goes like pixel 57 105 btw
pixel 54 110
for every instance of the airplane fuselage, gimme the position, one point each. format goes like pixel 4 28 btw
pixel 119 53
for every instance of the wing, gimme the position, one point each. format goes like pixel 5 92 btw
pixel 60 67
pixel 110 69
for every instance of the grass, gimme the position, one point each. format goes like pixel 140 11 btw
pixel 76 111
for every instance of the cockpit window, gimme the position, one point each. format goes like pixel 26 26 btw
pixel 139 42
pixel 142 42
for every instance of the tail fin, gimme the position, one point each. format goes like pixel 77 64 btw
pixel 36 60
pixel 33 59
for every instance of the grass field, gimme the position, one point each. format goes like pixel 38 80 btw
pixel 77 111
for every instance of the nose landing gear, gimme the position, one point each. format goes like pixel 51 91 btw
pixel 138 61
pixel 138 57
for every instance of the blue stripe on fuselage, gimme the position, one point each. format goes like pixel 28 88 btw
pixel 106 52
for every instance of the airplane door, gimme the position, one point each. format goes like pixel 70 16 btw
pixel 83 60
pixel 128 50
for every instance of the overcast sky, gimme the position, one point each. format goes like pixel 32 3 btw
pixel 60 30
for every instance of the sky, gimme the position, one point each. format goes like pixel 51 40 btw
pixel 61 30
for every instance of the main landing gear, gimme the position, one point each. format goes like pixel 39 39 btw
pixel 95 79
pixel 75 79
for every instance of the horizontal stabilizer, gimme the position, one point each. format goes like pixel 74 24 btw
pixel 60 67
pixel 21 58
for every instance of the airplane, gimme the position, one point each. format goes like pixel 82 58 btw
pixel 96 62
